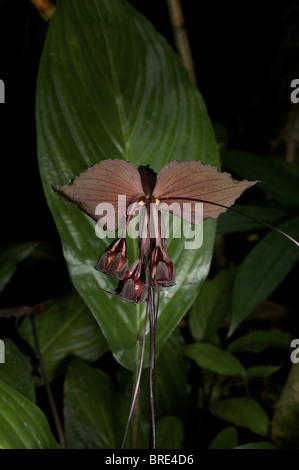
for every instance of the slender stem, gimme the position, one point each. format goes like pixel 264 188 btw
pixel 45 8
pixel 152 366
pixel 48 388
pixel 157 307
pixel 136 409
pixel 181 37
pixel 130 214
pixel 138 379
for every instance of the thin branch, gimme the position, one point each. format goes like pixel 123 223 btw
pixel 45 8
pixel 152 366
pixel 137 381
pixel 22 310
pixel 48 388
pixel 181 37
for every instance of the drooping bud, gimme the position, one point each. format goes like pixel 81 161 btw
pixel 133 287
pixel 113 260
pixel 162 271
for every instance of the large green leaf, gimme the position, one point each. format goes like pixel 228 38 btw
pixel 65 329
pixel 263 269
pixel 215 359
pixel 16 372
pixel 275 178
pixel 23 424
pixel 95 413
pixel 109 86
pixel 244 412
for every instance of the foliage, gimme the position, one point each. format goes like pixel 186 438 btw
pixel 99 97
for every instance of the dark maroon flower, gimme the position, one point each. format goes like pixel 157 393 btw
pixel 133 287
pixel 162 270
pixel 128 190
pixel 113 261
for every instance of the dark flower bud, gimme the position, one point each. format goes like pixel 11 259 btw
pixel 133 287
pixel 113 261
pixel 161 268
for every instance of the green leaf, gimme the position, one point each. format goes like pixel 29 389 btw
pixel 94 411
pixel 212 305
pixel 170 433
pixel 275 179
pixel 135 103
pixel 10 258
pixel 257 445
pixel 23 424
pixel 66 328
pixel 230 222
pixel 215 359
pixel 263 270
pixel 261 371
pixel 15 371
pixel 258 341
pixel 225 439
pixel 244 412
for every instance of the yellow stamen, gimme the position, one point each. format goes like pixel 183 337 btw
pixel 142 203
pixel 157 201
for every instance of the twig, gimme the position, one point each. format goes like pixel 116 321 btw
pixel 136 391
pixel 45 8
pixel 22 310
pixel 152 367
pixel 181 37
pixel 48 388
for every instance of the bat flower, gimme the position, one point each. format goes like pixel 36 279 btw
pixel 113 191
pixel 113 261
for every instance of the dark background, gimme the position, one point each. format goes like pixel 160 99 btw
pixel 245 58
